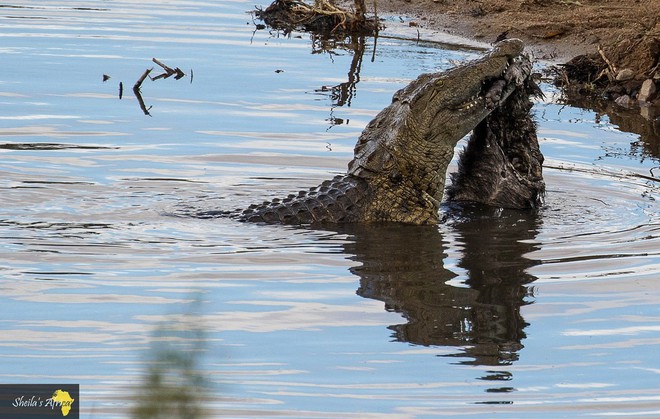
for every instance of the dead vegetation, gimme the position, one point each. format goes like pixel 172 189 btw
pixel 321 17
pixel 627 72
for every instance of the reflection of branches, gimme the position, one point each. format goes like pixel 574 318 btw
pixel 138 94
pixel 644 121
pixel 342 93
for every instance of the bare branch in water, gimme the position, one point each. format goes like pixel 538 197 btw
pixel 168 71
pixel 139 81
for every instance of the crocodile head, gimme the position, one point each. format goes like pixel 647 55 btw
pixel 429 116
pixel 444 107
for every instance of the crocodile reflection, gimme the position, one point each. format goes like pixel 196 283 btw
pixel 403 266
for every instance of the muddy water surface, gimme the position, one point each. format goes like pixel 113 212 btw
pixel 104 276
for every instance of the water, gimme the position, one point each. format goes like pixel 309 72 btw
pixel 103 274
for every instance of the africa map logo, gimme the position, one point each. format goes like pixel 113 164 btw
pixel 39 400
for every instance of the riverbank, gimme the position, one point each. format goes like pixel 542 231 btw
pixel 618 42
pixel 554 29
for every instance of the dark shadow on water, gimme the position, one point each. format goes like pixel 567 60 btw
pixel 50 146
pixel 404 266
pixel 643 121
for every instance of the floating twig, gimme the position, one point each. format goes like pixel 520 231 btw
pixel 178 74
pixel 166 68
pixel 623 174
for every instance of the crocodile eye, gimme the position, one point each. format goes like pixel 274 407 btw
pixel 440 83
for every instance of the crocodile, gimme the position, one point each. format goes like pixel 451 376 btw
pixel 399 168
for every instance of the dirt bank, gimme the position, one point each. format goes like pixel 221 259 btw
pixel 621 39
pixel 557 29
